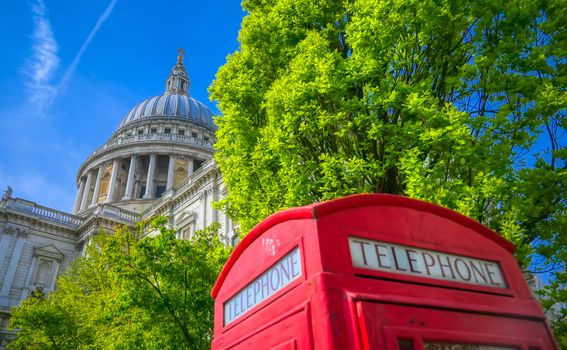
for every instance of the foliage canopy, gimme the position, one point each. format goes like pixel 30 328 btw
pixel 457 102
pixel 129 292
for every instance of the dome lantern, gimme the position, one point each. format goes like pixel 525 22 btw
pixel 178 81
pixel 175 103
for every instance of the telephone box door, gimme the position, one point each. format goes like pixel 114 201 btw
pixel 403 327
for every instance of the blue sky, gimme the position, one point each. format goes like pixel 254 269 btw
pixel 71 70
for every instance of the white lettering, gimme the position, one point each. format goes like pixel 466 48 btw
pixel 282 273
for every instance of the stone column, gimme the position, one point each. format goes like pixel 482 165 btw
pixel 215 198
pixel 11 273
pixel 150 179
pixel 112 186
pixel 137 185
pixel 86 192
pixel 205 203
pixel 170 171
pixel 130 181
pixel 5 239
pixel 77 205
pixel 190 167
pixel 99 176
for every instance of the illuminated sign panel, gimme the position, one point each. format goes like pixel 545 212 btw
pixel 282 273
pixel 382 256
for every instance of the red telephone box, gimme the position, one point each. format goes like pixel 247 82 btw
pixel 375 272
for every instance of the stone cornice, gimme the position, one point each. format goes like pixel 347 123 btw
pixel 35 220
pixel 22 224
pixel 110 213
pixel 96 223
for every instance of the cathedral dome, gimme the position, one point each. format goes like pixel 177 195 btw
pixel 159 144
pixel 175 106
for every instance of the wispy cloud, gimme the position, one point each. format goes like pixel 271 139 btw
pixel 44 61
pixel 71 70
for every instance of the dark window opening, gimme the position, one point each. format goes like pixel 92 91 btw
pixel 194 134
pixel 153 130
pixel 167 131
pixel 159 191
pixel 181 132
pixel 197 164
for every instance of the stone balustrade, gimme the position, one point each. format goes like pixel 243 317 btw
pixel 208 164
pixel 116 212
pixel 32 208
pixel 60 217
pixel 174 138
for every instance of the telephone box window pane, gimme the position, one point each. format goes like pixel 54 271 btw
pixel 453 346
pixel 405 344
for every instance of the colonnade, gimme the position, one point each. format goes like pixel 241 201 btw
pixel 87 196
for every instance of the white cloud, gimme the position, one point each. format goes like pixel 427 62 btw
pixel 44 61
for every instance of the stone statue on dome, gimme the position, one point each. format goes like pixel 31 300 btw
pixel 180 56
pixel 7 193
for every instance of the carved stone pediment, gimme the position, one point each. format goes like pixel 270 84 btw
pixel 49 251
pixel 185 217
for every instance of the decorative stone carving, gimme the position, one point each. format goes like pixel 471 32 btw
pixel 49 251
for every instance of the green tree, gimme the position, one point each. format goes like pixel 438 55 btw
pixel 129 292
pixel 457 102
pixel 45 323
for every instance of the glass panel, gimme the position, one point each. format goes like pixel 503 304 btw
pixel 405 344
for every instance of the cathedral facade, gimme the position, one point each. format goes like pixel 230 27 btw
pixel 158 162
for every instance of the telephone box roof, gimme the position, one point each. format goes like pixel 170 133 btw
pixel 318 210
